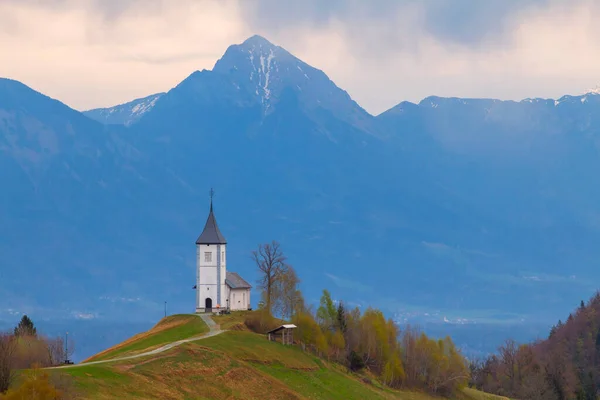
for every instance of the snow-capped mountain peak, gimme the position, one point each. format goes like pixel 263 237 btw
pixel 256 63
pixel 595 90
pixel 125 114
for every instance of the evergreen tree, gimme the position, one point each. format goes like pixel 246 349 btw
pixel 341 317
pixel 326 313
pixel 25 327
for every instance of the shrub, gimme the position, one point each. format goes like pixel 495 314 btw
pixel 261 321
pixel 356 362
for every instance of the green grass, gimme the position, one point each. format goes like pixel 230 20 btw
pixel 472 394
pixel 233 365
pixel 168 330
pixel 251 347
pixel 322 383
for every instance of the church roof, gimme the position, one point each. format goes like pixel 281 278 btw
pixel 234 281
pixel 211 233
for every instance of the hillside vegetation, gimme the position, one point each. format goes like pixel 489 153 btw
pixel 168 330
pixel 234 365
pixel 565 366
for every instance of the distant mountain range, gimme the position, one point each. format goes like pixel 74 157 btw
pixel 446 213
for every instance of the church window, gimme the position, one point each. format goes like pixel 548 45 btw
pixel 207 256
pixel 222 256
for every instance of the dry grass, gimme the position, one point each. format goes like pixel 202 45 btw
pixel 234 320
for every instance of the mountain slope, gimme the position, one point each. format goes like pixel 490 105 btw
pixel 259 67
pixel 72 183
pixel 124 114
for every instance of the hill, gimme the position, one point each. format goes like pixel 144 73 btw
pixel 168 330
pixel 233 365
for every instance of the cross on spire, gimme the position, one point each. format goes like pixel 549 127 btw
pixel 211 193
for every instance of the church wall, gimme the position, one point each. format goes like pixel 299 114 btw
pixel 239 299
pixel 209 275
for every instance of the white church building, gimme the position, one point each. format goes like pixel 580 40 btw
pixel 217 288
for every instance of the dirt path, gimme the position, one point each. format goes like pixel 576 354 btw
pixel 214 331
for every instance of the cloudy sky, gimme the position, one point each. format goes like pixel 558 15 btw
pixel 92 53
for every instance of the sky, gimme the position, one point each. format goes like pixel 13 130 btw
pixel 99 53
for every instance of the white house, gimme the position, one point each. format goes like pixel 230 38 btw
pixel 217 288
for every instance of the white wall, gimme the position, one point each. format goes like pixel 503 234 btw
pixel 239 299
pixel 207 281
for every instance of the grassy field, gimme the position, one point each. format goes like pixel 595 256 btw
pixel 170 329
pixel 234 365
pixel 233 321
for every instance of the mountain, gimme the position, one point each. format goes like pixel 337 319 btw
pixel 447 213
pixel 124 114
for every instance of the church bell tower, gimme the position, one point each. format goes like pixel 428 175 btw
pixel 210 265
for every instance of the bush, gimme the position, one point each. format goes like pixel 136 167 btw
pixel 356 362
pixel 35 386
pixel 261 321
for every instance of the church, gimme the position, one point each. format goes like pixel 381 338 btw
pixel 217 288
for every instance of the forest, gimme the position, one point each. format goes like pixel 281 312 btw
pixel 25 348
pixel 564 366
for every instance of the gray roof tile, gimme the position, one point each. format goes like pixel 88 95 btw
pixel 234 281
pixel 211 233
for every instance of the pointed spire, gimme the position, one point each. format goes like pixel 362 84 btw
pixel 211 233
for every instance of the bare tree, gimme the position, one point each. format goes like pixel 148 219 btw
pixel 56 350
pixel 271 264
pixel 8 346
pixel 508 355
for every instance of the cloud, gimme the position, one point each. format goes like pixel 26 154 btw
pixel 83 315
pixel 349 284
pixel 468 22
pixel 118 299
pixel 92 53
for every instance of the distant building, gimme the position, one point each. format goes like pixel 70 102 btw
pixel 216 288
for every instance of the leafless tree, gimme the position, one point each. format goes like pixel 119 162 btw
pixel 508 355
pixel 56 350
pixel 271 264
pixel 8 346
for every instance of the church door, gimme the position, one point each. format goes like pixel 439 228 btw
pixel 208 304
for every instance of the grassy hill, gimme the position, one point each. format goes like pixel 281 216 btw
pixel 168 330
pixel 233 365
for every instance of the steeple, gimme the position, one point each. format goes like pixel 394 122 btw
pixel 211 233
